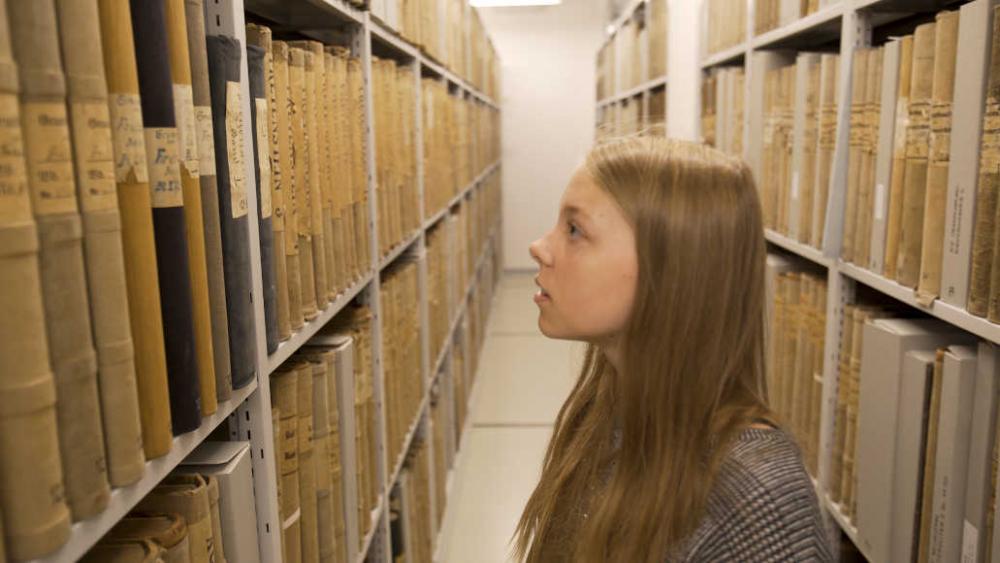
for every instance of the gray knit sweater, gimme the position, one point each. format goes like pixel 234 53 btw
pixel 762 506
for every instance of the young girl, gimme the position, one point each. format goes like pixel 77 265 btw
pixel 666 449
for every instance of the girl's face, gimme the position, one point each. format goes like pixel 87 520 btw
pixel 587 266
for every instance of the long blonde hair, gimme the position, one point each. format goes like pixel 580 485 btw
pixel 633 455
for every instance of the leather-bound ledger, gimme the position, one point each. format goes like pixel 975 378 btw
pixel 48 151
pixel 169 220
pixel 138 242
pixel 307 463
pixel 917 151
pixel 189 163
pixel 31 485
pixel 301 193
pixel 894 217
pixel 262 172
pixel 284 396
pixel 187 495
pixel 311 155
pixel 286 216
pixel 936 197
pixel 224 56
pixel 984 232
pixel 194 11
pixel 80 37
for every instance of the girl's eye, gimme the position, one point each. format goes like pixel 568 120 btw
pixel 574 232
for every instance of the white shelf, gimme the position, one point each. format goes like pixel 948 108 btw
pixel 399 249
pixel 794 246
pixel 83 535
pixel 725 56
pixel 626 15
pixel 838 515
pixel 376 517
pixel 807 24
pixel 633 92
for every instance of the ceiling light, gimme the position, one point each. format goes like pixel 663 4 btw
pixel 512 3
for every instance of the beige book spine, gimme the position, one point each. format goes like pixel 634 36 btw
pixel 31 483
pixel 216 517
pixel 826 143
pixel 321 443
pixel 917 150
pixel 324 93
pixel 810 139
pixel 894 217
pixel 80 37
pixel 284 396
pixel 187 495
pixel 282 143
pixel 362 214
pixel 48 149
pixel 301 196
pixel 856 151
pixel 307 463
pixel 333 156
pixel 873 90
pixel 930 452
pixel 983 241
pixel 935 200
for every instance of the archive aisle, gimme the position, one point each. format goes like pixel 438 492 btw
pixel 243 256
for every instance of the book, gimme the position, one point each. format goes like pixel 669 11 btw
pixel 284 396
pixel 894 218
pixel 807 173
pixel 201 96
pixel 169 531
pixel 297 88
pixel 321 457
pixel 224 60
pixel 186 494
pixel 890 91
pixel 982 440
pixel 859 104
pixel 806 69
pixel 138 239
pixel 169 219
pixel 307 464
pixel 926 514
pixel 37 522
pixel 866 187
pixel 325 94
pixel 829 98
pixel 49 159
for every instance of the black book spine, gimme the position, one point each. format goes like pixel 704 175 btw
pixel 170 229
pixel 262 172
pixel 224 57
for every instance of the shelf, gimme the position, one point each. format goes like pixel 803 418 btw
pixel 390 38
pixel 626 15
pixel 953 315
pixel 290 346
pixel 399 249
pixel 816 28
pixel 83 535
pixel 730 55
pixel 376 516
pixel 795 247
pixel 311 14
pixel 842 521
pixel 465 191
pixel 408 440
pixel 632 92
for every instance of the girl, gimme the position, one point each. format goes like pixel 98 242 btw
pixel 666 448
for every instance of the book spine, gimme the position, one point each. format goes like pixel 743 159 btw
pixel 48 151
pixel 321 443
pixel 224 56
pixel 307 464
pixel 94 158
pixel 982 437
pixel 930 456
pixel 286 180
pixel 856 151
pixel 808 172
pixel 334 159
pixel 826 144
pixel 202 99
pixel 302 199
pixel 262 172
pixel 324 97
pixel 187 495
pixel 884 154
pixel 169 220
pixel 873 87
pixel 284 396
pixel 31 489
pixel 917 147
pixel 894 219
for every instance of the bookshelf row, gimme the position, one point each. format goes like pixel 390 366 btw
pixel 205 329
pixel 634 57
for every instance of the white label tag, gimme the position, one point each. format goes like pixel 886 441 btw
pixel 970 543
pixel 206 140
pixel 234 139
pixel 795 186
pixel 263 158
pixel 187 136
pixel 879 202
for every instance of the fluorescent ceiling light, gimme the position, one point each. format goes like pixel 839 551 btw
pixel 512 3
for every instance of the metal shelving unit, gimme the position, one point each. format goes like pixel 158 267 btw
pixel 249 410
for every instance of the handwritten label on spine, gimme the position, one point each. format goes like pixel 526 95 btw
pixel 234 142
pixel 15 202
pixel 187 136
pixel 49 157
pixel 206 142
pixel 263 158
pixel 128 137
pixel 91 125
pixel 164 170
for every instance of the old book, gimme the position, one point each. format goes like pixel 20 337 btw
pixel 224 59
pixel 49 158
pixel 982 438
pixel 168 530
pixel 894 218
pixel 935 200
pixel 806 175
pixel 104 259
pixel 926 507
pixel 856 151
pixel 829 98
pixel 262 172
pixel 138 243
pixel 202 99
pixel 980 277
pixel 805 65
pixel 284 395
pixel 301 198
pixel 307 464
pixel 917 150
pixel 967 124
pixel 359 151
pixel 216 517
pixel 884 152
pixel 186 494
pixel 286 180
pixel 321 458
pixel 866 185
pixel 336 163
pixel 324 95
pixel 38 521
pixel 169 220
pixel 125 551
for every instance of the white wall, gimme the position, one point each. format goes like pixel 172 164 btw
pixel 548 60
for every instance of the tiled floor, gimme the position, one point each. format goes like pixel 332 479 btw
pixel 523 380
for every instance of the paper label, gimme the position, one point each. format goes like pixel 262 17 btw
pixel 164 170
pixel 95 158
pixel 15 202
pixel 795 186
pixel 49 158
pixel 128 138
pixel 879 202
pixel 263 158
pixel 206 140
pixel 187 136
pixel 234 145
pixel 970 543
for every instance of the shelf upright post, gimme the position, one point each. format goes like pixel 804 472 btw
pixel 252 419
